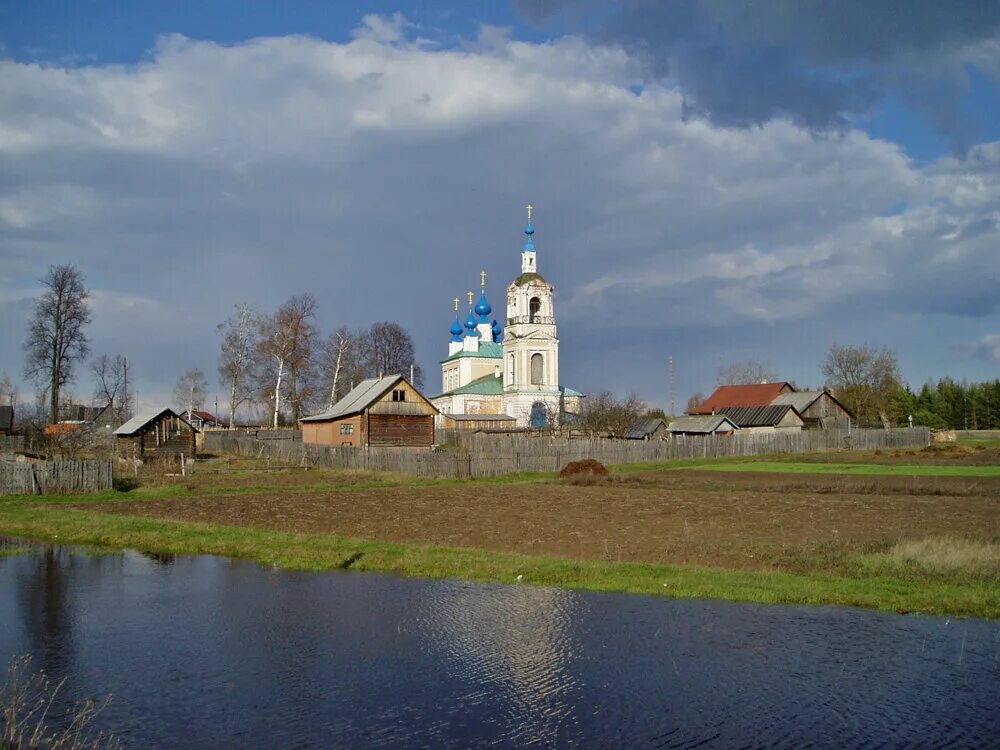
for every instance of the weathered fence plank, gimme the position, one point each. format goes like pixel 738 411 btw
pixel 44 477
pixel 496 455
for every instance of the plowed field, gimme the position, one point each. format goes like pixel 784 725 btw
pixel 724 519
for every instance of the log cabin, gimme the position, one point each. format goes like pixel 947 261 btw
pixel 157 433
pixel 378 412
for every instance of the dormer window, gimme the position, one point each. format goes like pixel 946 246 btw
pixel 399 395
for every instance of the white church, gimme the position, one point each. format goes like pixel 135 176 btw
pixel 507 376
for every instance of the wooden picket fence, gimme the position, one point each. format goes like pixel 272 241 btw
pixel 46 477
pixel 11 443
pixel 496 455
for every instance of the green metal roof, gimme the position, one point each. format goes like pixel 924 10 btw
pixel 569 391
pixel 487 350
pixel 488 385
pixel 524 278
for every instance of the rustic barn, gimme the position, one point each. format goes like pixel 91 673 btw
pixel 764 418
pixel 157 433
pixel 707 424
pixel 6 420
pixel 755 394
pixel 654 428
pixel 379 412
pixel 817 409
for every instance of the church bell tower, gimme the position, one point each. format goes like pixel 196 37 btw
pixel 531 392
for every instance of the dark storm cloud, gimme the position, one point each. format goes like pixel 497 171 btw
pixel 815 62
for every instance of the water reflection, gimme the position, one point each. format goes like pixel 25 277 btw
pixel 209 652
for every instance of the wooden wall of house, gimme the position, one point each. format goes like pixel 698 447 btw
pixel 405 430
pixel 414 402
pixel 329 433
pixel 165 437
pixel 824 407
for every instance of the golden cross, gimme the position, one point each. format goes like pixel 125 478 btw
pixel 456 304
pixel 530 208
pixel 482 279
pixel 471 295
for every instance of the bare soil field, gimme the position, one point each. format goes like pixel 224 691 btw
pixel 725 519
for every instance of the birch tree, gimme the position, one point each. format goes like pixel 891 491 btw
pixel 341 363
pixel 286 343
pixel 190 390
pixel 239 337
pixel 56 340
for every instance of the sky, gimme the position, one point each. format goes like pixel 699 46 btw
pixel 713 181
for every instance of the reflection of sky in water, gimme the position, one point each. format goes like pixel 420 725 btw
pixel 515 643
pixel 208 652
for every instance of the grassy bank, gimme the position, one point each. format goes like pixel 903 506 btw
pixel 906 580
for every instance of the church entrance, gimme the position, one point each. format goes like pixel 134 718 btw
pixel 539 419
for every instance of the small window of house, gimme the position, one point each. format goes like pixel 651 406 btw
pixel 347 429
pixel 399 395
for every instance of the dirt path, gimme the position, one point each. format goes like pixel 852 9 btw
pixel 728 519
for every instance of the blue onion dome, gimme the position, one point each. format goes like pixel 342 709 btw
pixel 483 308
pixel 529 244
pixel 497 332
pixel 470 323
pixel 456 329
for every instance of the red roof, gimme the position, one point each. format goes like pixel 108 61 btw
pixel 758 394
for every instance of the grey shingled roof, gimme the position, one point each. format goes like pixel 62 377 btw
pixel 642 428
pixel 701 423
pixel 141 419
pixel 801 400
pixel 756 416
pixel 361 396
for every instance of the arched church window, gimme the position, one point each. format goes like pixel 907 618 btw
pixel 533 307
pixel 510 370
pixel 537 369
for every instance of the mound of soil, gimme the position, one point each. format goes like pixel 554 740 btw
pixel 587 467
pixel 948 449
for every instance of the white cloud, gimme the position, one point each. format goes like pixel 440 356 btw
pixel 382 175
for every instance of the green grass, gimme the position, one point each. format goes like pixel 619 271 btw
pixel 794 467
pixel 888 584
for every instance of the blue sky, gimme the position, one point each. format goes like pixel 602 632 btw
pixel 714 181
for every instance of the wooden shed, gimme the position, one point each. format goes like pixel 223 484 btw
pixel 378 412
pixel 817 408
pixel 157 433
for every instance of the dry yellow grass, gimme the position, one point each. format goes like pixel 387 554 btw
pixel 950 554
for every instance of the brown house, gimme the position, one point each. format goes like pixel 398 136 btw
pixel 157 433
pixel 379 412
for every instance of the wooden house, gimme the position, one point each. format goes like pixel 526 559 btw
pixel 781 418
pixel 6 420
pixel 817 408
pixel 703 424
pixel 157 433
pixel 653 428
pixel 378 412
pixel 755 394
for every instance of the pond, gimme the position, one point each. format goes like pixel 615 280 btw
pixel 210 652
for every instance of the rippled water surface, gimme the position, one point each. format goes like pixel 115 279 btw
pixel 208 652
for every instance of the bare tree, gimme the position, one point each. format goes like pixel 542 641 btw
pixel 111 383
pixel 864 378
pixel 695 401
pixel 604 412
pixel 387 348
pixel 340 362
pixel 286 344
pixel 8 392
pixel 746 373
pixel 55 338
pixel 190 390
pixel 239 337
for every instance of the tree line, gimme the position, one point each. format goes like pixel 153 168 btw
pixel 276 361
pixel 282 363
